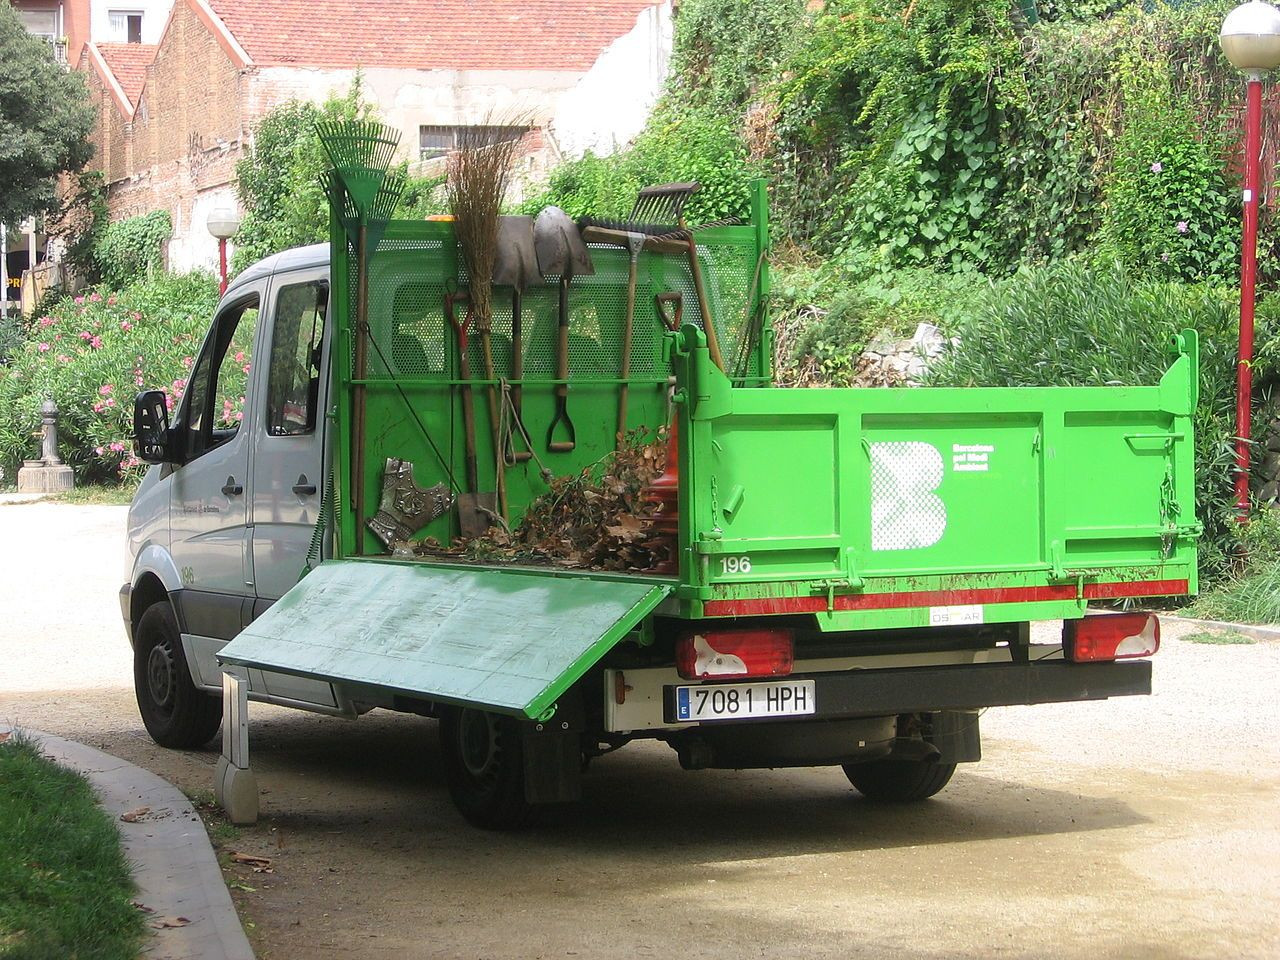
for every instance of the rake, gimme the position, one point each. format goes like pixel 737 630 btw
pixel 361 152
pixel 664 204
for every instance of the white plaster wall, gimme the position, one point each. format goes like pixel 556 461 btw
pixel 155 14
pixel 192 247
pixel 605 109
pixel 407 99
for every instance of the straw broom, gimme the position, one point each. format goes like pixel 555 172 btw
pixel 478 173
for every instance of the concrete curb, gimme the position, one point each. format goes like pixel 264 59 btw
pixel 173 862
pixel 1247 629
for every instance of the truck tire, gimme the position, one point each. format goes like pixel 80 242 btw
pixel 174 711
pixel 484 768
pixel 899 781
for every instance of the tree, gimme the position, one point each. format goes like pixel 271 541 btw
pixel 45 120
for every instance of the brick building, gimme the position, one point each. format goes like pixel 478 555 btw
pixel 174 116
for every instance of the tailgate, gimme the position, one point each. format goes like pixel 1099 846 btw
pixel 910 507
pixel 509 641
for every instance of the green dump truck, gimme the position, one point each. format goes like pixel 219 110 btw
pixel 851 574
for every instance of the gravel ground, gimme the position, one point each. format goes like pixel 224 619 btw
pixel 1139 827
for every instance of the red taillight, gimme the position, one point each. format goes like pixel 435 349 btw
pixel 734 653
pixel 1112 636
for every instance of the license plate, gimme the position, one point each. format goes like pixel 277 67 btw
pixel 744 701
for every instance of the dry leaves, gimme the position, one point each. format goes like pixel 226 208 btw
pixel 136 814
pixel 597 519
pixel 259 864
pixel 166 923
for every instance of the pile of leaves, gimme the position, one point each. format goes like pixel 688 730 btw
pixel 597 519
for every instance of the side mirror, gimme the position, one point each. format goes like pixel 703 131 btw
pixel 151 435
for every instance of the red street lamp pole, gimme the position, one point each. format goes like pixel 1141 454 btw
pixel 223 223
pixel 1250 39
pixel 222 265
pixel 1248 281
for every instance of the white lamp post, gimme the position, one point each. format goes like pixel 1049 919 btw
pixel 223 223
pixel 1250 39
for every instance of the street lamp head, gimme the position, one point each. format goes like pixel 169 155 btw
pixel 223 222
pixel 1250 37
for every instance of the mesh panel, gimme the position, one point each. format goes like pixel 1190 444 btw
pixel 407 285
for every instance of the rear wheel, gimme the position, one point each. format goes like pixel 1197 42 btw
pixel 174 711
pixel 484 768
pixel 899 781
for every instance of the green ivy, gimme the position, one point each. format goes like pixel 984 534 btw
pixel 129 250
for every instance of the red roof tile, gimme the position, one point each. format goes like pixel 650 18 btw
pixel 128 62
pixel 429 34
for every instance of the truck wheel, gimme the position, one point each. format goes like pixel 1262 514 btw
pixel 174 711
pixel 484 768
pixel 898 781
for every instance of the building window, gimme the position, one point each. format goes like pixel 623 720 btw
pixel 42 23
pixel 436 141
pixel 126 25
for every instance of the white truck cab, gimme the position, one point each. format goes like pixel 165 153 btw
pixel 222 531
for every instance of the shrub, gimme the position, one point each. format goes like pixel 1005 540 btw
pixel 92 354
pixel 1075 324
pixel 676 146
pixel 129 250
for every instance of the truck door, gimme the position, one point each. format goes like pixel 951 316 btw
pixel 287 485
pixel 208 504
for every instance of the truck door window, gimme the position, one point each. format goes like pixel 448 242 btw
pixel 215 403
pixel 293 380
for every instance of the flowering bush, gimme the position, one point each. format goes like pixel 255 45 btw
pixel 92 354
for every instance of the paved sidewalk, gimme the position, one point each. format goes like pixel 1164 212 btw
pixel 173 862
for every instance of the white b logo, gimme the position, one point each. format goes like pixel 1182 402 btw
pixel 906 513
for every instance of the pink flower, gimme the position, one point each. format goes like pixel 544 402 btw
pixel 126 326
pixel 85 335
pixel 110 402
pixel 79 300
pixel 95 297
pixel 1157 167
pixel 99 451
pixel 187 361
pixel 42 347
pixel 246 368
pixel 46 321
pixel 96 343
pixel 111 300
pixel 63 358
pixel 239 415
pixel 137 315
pixel 116 447
pixel 138 380
pixel 1182 226
pixel 105 389
pixel 98 408
pixel 240 356
pixel 168 402
pixel 57 336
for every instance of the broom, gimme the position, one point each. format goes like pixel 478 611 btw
pixel 477 177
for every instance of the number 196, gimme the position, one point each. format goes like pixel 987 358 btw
pixel 735 564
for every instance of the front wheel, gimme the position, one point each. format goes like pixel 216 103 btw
pixel 484 768
pixel 174 711
pixel 899 781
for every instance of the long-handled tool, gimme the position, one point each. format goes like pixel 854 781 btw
pixel 516 266
pixel 360 153
pixel 634 242
pixel 561 253
pixel 665 201
pixel 476 510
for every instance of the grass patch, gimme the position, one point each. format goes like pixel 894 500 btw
pixel 67 888
pixel 1219 638
pixel 1253 597
pixel 88 495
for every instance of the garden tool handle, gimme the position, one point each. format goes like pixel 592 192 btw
pixel 675 299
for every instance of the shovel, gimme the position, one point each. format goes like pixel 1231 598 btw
pixel 516 266
pixel 562 253
pixel 475 510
